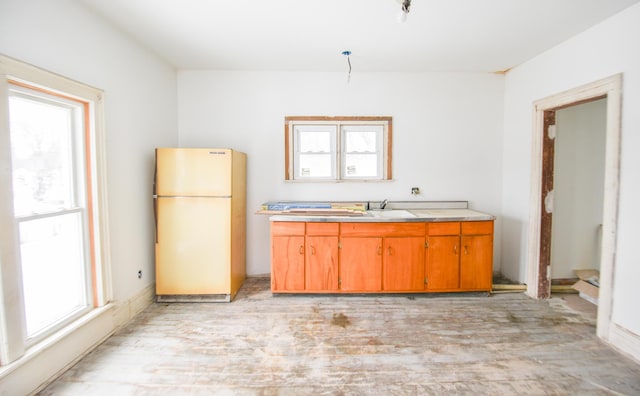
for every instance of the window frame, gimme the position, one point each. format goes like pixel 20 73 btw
pixel 80 199
pixel 338 151
pixel 14 342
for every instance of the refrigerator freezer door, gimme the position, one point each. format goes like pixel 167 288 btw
pixel 194 246
pixel 193 172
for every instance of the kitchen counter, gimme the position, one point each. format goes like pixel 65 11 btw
pixel 393 215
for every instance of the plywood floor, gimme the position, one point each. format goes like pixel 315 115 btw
pixel 505 344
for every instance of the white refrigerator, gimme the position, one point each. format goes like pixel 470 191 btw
pixel 200 214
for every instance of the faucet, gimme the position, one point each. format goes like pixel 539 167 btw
pixel 383 204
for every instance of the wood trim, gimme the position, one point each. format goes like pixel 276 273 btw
pixel 548 154
pixel 389 175
pixel 287 119
pixel 611 88
pixel 288 154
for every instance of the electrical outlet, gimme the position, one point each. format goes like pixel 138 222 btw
pixel 415 190
pixel 139 274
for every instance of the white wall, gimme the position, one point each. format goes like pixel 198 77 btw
pixel 140 111
pixel 604 50
pixel 578 188
pixel 62 36
pixel 447 131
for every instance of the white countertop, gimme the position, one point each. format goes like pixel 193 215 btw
pixel 394 215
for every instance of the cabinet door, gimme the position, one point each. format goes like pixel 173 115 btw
pixel 361 264
pixel 442 268
pixel 403 264
pixel 476 258
pixel 321 263
pixel 287 263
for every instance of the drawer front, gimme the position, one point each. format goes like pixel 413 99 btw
pixel 382 229
pixel 287 228
pixel 477 227
pixel 322 228
pixel 449 228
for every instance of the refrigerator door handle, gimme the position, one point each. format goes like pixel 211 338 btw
pixel 155 214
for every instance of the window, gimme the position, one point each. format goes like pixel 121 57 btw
pixel 50 205
pixel 337 148
pixel 51 219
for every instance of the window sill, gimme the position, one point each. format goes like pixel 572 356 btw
pixel 342 181
pixel 97 324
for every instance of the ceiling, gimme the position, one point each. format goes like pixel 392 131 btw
pixel 310 35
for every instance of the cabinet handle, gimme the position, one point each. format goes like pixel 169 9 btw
pixel 301 250
pixel 455 249
pixel 389 250
pixel 379 250
pixel 466 249
pixel 313 251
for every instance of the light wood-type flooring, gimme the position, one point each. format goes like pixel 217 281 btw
pixel 504 344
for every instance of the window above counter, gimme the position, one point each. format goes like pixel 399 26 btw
pixel 321 148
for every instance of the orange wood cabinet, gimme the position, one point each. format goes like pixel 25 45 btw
pixel 476 255
pixel 459 256
pixel 321 257
pixel 287 256
pixel 381 257
pixel 442 267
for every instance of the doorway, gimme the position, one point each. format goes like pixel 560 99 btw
pixel 541 206
pixel 578 190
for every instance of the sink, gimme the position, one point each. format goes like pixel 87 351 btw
pixel 391 214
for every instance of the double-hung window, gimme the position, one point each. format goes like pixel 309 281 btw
pixel 51 239
pixel 338 148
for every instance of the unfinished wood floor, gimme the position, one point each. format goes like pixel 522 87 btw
pixel 506 344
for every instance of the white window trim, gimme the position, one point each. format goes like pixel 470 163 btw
pixel 12 332
pixel 340 171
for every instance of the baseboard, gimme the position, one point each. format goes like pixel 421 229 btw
pixel 44 362
pixel 625 341
pixel 125 310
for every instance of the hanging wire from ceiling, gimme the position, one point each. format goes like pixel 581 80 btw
pixel 404 10
pixel 348 55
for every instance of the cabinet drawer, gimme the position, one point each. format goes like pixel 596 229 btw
pixel 382 229
pixel 287 228
pixel 477 227
pixel 322 228
pixel 452 228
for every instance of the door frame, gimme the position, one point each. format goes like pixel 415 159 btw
pixel 538 271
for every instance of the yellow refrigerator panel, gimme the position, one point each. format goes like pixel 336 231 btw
pixel 193 172
pixel 193 248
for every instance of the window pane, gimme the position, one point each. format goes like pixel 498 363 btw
pixel 315 165
pixel 41 156
pixel 361 142
pixel 53 273
pixel 48 184
pixel 361 165
pixel 314 142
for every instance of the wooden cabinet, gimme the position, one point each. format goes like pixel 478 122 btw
pixel 360 264
pixel 476 255
pixel 403 268
pixel 321 257
pixel 287 256
pixel 460 256
pixel 381 257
